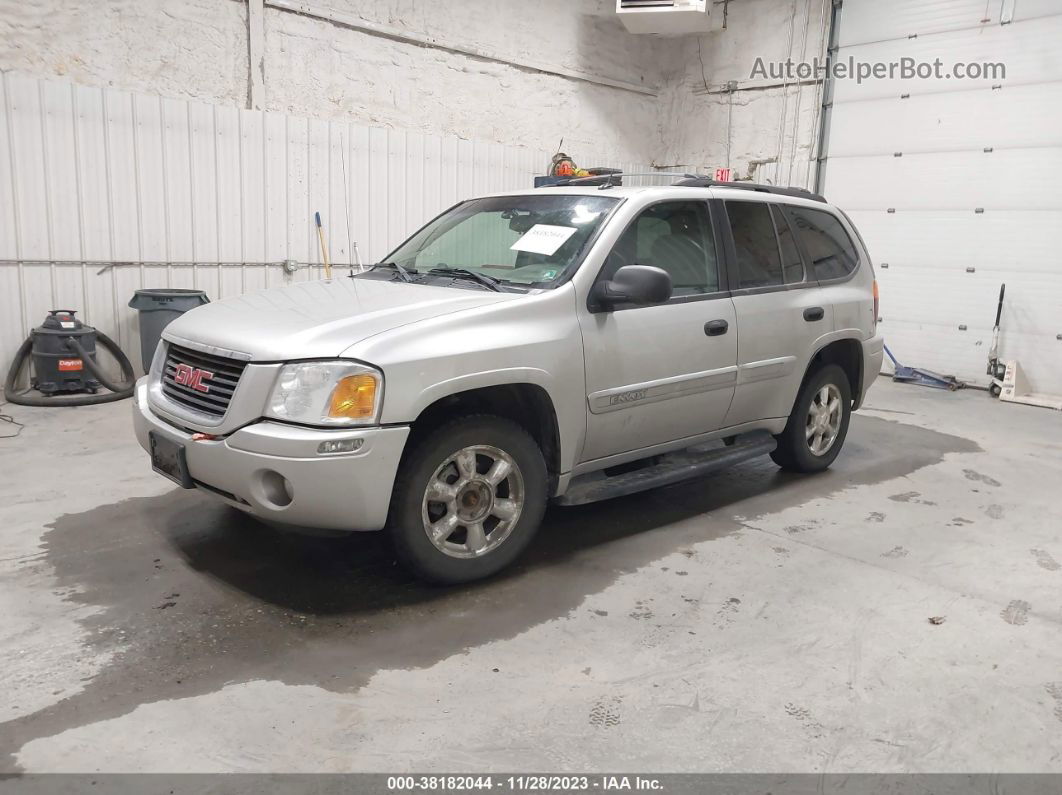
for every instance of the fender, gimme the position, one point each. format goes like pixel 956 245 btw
pixel 463 383
pixel 571 417
pixel 853 334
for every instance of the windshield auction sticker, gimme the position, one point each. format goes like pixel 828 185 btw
pixel 543 239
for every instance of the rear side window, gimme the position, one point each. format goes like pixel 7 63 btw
pixel 829 248
pixel 758 260
pixel 792 265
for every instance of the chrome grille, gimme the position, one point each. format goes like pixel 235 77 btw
pixel 220 388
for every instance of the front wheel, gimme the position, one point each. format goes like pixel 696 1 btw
pixel 819 423
pixel 468 499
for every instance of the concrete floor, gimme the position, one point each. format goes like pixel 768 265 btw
pixel 747 622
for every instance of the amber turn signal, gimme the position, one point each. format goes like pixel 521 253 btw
pixel 354 398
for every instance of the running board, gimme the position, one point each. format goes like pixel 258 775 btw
pixel 672 468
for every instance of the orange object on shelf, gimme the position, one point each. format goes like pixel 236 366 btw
pixel 561 166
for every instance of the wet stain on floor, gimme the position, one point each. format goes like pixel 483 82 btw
pixel 1044 560
pixel 606 712
pixel 1016 612
pixel 194 595
pixel 978 477
pixel 910 496
pixel 1054 689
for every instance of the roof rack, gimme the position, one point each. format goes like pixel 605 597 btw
pixel 707 182
pixel 612 179
pixel 604 181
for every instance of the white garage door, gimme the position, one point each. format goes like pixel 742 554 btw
pixel 956 184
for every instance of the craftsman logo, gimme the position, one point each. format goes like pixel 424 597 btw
pixel 70 364
pixel 192 377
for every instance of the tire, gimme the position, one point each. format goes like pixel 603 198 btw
pixel 795 451
pixel 489 483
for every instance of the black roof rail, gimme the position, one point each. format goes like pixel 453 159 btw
pixel 707 182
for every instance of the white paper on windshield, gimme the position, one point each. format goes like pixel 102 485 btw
pixel 543 239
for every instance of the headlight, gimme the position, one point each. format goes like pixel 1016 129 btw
pixel 327 393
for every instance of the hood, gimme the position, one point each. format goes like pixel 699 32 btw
pixel 320 318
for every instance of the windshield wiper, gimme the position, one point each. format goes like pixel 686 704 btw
pixel 403 272
pixel 464 273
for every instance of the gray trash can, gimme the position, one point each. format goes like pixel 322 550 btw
pixel 158 308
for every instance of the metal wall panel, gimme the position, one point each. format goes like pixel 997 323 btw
pixel 97 174
pixel 898 19
pixel 943 122
pixel 963 146
pixel 1006 179
pixel 1029 49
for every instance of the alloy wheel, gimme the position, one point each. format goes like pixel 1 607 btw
pixel 473 501
pixel 824 420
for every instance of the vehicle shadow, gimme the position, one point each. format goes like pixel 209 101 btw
pixel 358 573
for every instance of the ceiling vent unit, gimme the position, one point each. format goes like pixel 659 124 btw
pixel 666 17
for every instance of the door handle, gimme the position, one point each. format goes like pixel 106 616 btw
pixel 813 313
pixel 713 328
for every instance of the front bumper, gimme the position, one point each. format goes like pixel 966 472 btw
pixel 349 491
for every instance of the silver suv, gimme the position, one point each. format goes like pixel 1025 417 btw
pixel 564 344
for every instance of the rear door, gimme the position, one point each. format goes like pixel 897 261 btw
pixel 656 374
pixel 781 310
pixel 833 258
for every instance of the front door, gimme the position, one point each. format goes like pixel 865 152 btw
pixel 655 374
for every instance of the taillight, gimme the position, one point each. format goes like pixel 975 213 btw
pixel 876 302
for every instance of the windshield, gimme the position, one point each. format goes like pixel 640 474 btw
pixel 524 240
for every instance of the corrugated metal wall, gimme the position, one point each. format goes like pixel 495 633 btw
pixel 102 175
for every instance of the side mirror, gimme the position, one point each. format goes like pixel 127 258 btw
pixel 632 284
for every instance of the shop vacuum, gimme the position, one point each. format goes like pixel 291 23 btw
pixel 65 370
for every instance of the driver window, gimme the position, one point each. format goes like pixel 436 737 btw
pixel 675 236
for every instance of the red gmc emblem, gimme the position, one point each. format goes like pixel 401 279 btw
pixel 192 377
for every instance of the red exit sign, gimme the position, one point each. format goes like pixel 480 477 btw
pixel 723 175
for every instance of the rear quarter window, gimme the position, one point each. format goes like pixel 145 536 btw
pixel 829 249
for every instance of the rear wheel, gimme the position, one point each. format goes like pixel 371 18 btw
pixel 816 429
pixel 468 499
